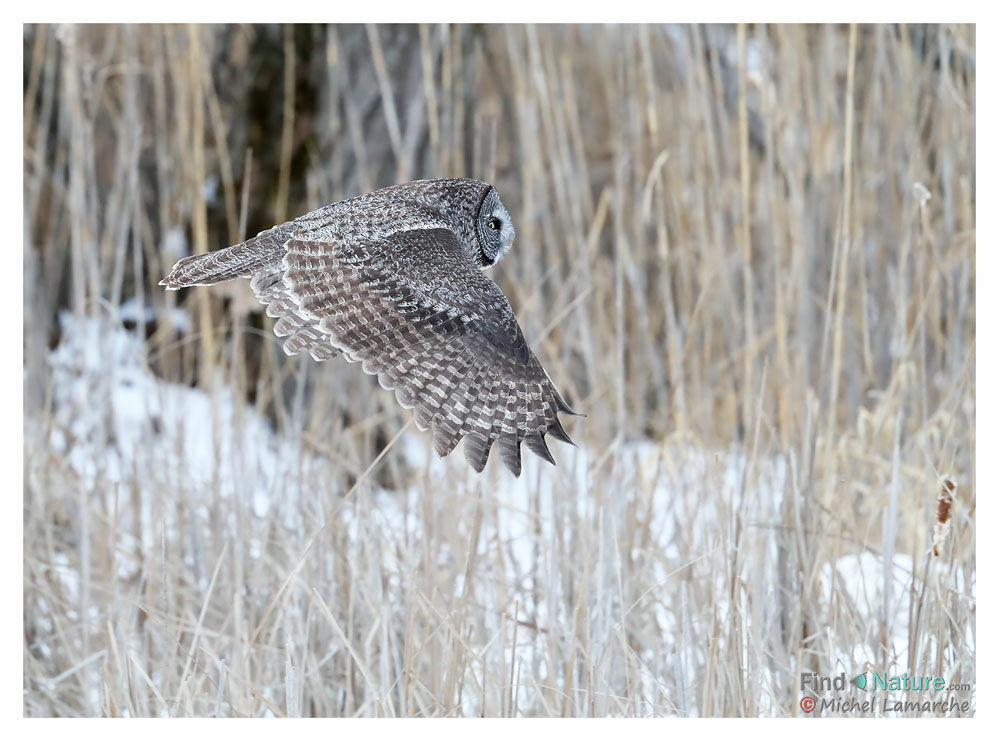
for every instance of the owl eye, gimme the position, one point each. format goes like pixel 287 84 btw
pixel 494 223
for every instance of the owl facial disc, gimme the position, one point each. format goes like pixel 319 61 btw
pixel 495 229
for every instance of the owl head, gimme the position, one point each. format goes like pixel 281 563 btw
pixel 494 228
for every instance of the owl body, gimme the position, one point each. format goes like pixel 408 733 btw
pixel 394 280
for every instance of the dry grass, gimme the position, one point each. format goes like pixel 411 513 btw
pixel 747 254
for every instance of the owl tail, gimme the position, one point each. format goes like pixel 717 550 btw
pixel 239 261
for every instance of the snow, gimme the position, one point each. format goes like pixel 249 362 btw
pixel 182 437
pixel 860 579
pixel 117 423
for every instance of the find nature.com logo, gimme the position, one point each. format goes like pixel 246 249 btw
pixel 814 683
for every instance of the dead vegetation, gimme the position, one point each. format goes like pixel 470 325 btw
pixel 748 254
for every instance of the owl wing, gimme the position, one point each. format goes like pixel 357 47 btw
pixel 300 331
pixel 416 312
pixel 260 259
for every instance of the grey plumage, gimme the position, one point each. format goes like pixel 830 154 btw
pixel 393 280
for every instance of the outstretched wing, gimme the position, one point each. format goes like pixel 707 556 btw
pixel 416 312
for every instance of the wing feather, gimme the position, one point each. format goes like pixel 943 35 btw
pixel 416 312
pixel 302 331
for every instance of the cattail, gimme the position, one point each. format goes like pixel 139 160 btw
pixel 944 502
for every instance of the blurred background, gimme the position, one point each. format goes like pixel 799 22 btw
pixel 747 253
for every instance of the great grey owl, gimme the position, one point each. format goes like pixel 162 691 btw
pixel 394 279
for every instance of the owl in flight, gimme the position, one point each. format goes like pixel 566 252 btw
pixel 394 279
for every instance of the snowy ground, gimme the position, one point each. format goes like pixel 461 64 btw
pixel 128 437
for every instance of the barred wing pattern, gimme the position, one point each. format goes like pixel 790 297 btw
pixel 259 258
pixel 301 332
pixel 416 312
